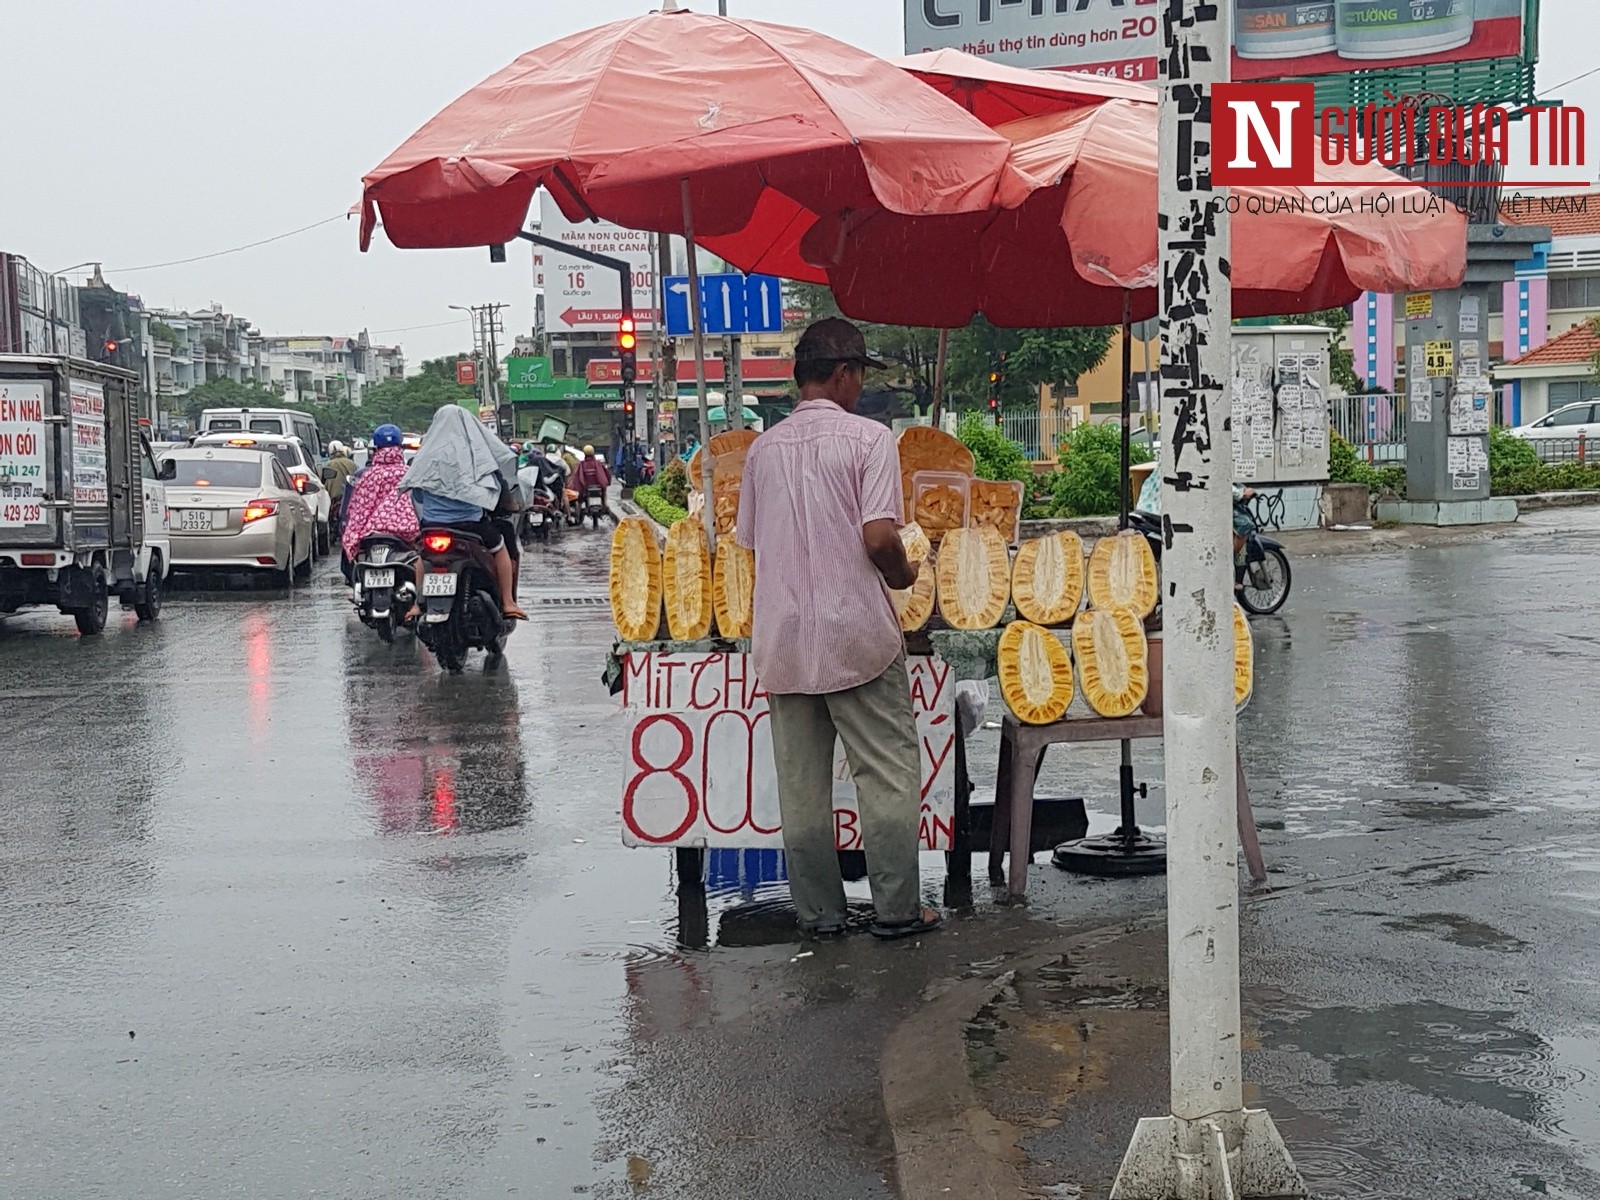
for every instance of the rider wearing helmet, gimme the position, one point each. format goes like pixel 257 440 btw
pixel 591 472
pixel 374 502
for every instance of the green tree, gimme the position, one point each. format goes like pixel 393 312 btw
pixel 411 402
pixel 1052 357
pixel 1088 483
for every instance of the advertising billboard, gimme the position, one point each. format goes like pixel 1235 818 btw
pixel 583 296
pixel 1272 38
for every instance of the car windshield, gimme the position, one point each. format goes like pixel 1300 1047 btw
pixel 217 472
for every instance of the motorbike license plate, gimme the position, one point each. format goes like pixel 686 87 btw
pixel 196 520
pixel 536 519
pixel 378 579
pixel 594 503
pixel 439 583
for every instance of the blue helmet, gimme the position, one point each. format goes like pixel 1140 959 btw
pixel 385 435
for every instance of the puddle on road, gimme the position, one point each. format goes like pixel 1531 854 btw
pixel 1476 1058
pixel 1463 931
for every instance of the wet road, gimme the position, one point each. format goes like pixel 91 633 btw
pixel 285 912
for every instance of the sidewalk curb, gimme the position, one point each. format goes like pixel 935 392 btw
pixel 947 1144
pixel 1544 500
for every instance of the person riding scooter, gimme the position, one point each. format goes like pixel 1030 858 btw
pixel 591 472
pixel 374 503
pixel 458 479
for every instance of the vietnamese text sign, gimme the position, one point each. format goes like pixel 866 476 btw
pixel 1272 38
pixel 583 295
pixel 698 767
pixel 1439 359
pixel 22 458
pixel 1419 306
pixel 89 482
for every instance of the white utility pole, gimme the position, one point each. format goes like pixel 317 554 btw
pixel 1211 1147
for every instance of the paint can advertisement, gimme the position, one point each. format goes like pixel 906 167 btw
pixel 1272 39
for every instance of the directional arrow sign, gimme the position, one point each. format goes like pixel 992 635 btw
pixel 763 304
pixel 677 306
pixel 718 307
pixel 728 304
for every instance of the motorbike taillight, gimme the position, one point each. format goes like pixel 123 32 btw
pixel 438 543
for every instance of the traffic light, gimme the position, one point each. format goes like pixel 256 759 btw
pixel 627 408
pixel 627 346
pixel 995 380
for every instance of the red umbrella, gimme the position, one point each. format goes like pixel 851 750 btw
pixel 683 121
pixel 993 92
pixel 997 94
pixel 614 119
pixel 1088 233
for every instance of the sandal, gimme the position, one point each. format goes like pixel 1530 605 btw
pixel 926 922
pixel 826 929
pixel 513 613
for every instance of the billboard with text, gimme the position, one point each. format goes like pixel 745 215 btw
pixel 1272 38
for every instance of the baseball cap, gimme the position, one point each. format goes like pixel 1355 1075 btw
pixel 834 339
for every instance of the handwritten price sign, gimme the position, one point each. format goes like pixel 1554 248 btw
pixel 699 769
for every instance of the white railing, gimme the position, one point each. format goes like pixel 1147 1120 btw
pixel 1375 425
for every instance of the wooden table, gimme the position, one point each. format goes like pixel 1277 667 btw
pixel 1021 750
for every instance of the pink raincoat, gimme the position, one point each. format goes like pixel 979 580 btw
pixel 378 505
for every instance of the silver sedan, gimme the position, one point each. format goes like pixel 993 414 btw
pixel 236 509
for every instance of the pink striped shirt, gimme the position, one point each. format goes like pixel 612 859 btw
pixel 821 611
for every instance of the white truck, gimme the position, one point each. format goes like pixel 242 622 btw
pixel 83 511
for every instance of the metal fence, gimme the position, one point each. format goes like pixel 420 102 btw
pixel 1037 432
pixel 1566 450
pixel 1375 425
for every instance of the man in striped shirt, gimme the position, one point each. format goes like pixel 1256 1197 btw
pixel 820 506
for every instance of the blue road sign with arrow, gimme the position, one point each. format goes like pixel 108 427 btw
pixel 728 304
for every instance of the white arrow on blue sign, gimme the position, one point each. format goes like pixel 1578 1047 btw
pixel 728 304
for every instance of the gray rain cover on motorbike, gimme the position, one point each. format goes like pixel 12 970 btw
pixel 461 460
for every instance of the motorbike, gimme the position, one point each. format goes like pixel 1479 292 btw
pixel 1262 577
pixel 540 519
pixel 460 599
pixel 384 579
pixel 594 504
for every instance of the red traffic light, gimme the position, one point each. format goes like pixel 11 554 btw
pixel 111 346
pixel 627 407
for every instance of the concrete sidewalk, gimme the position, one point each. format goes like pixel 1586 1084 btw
pixel 1420 1003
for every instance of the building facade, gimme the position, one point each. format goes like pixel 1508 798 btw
pixel 1555 291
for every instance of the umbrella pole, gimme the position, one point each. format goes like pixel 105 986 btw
pixel 938 376
pixel 699 367
pixel 1123 503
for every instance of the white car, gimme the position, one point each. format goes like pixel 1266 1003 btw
pixel 233 508
pixel 1570 421
pixel 303 468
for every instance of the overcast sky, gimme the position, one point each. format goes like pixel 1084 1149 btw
pixel 139 133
